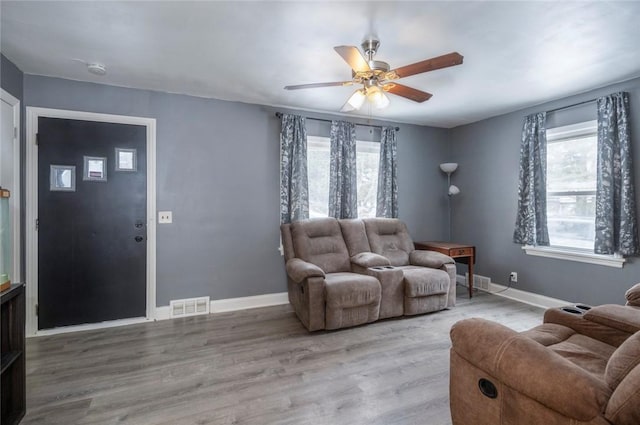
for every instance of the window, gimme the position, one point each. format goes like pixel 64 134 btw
pixel 318 160
pixel 571 185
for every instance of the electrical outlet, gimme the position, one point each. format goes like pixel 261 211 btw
pixel 513 277
pixel 165 217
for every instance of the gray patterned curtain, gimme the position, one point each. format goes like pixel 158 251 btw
pixel 343 201
pixel 616 227
pixel 294 184
pixel 387 202
pixel 531 221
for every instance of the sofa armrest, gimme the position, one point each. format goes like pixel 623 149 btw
pixel 299 270
pixel 369 259
pixel 633 295
pixel 620 317
pixel 530 368
pixel 589 328
pixel 431 259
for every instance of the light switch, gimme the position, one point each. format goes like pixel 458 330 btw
pixel 165 217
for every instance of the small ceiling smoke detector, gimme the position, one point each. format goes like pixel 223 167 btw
pixel 96 68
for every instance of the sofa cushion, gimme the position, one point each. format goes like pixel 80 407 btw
pixel 346 290
pixel 423 282
pixel 622 408
pixel 389 237
pixel 319 241
pixel 623 360
pixel 355 236
pixel 588 353
pixel 549 333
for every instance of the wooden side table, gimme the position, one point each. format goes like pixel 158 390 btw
pixel 464 253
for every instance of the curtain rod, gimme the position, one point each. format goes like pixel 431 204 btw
pixel 279 115
pixel 571 106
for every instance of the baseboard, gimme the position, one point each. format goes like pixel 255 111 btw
pixel 234 304
pixel 526 297
pixel 530 298
pixel 90 326
pixel 163 312
pixel 244 303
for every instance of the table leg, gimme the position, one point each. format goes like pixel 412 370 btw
pixel 470 277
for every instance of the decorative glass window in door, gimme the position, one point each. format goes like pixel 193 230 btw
pixel 126 159
pixel 95 169
pixel 62 178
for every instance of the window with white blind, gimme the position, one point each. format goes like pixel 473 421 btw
pixel 571 185
pixel 318 164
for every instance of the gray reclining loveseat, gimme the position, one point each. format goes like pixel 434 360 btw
pixel 345 273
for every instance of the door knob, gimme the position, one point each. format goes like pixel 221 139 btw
pixel 139 238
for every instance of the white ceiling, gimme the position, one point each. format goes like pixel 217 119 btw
pixel 516 54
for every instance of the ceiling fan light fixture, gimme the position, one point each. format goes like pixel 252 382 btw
pixel 382 101
pixel 377 98
pixel 355 101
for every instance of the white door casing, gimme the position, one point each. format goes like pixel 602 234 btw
pixel 33 113
pixel 10 172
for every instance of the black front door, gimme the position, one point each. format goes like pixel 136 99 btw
pixel 91 225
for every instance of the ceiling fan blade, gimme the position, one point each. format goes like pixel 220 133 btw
pixel 316 85
pixel 444 61
pixel 408 92
pixel 353 57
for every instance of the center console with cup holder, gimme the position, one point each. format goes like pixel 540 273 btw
pixel 609 322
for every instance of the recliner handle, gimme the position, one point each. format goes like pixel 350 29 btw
pixel 487 388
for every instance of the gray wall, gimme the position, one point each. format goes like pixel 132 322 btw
pixel 10 77
pixel 484 213
pixel 218 171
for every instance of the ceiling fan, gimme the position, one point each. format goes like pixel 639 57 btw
pixel 377 78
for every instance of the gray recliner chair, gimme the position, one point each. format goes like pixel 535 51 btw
pixel 323 290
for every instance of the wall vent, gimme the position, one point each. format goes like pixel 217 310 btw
pixel 479 282
pixel 483 282
pixel 189 307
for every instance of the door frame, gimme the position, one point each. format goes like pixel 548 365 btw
pixel 16 275
pixel 33 114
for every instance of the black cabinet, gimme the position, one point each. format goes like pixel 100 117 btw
pixel 12 387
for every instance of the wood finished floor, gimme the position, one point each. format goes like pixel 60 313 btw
pixel 255 367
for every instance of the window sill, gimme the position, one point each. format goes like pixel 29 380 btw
pixel 579 256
